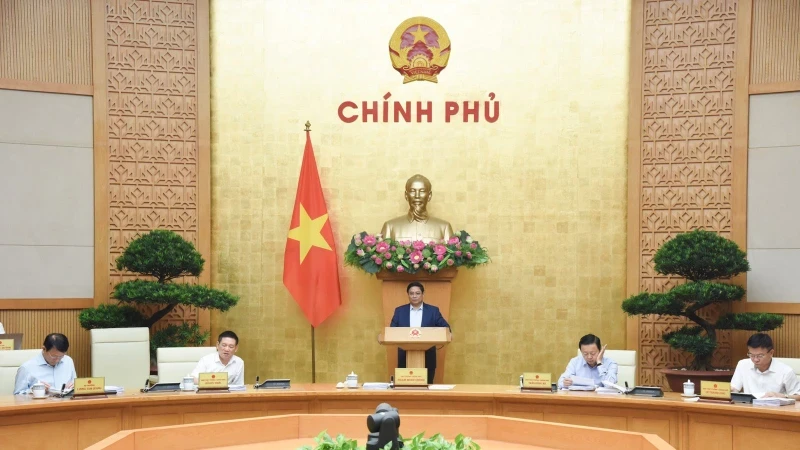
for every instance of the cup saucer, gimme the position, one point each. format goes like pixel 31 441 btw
pixel 39 398
pixel 689 395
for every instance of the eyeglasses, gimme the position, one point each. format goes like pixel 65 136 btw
pixel 593 354
pixel 754 356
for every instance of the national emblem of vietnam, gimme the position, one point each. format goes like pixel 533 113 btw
pixel 419 49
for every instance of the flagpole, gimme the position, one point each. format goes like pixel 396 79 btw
pixel 313 340
pixel 313 357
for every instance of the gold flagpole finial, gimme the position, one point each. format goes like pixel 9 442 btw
pixel 308 126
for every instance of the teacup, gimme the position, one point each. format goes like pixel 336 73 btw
pixel 188 384
pixel 39 390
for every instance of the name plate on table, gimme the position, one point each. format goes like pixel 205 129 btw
pixel 217 381
pixel 6 344
pixel 411 378
pixel 90 387
pixel 536 381
pixel 715 391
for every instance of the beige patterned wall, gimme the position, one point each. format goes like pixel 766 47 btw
pixel 543 188
pixel 685 143
pixel 154 82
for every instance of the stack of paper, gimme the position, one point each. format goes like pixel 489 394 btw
pixel 773 401
pixel 441 387
pixel 581 388
pixel 608 391
pixel 375 386
pixel 114 389
pixel 237 387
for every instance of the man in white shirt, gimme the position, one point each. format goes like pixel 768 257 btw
pixel 591 364
pixel 223 360
pixel 760 374
pixel 52 367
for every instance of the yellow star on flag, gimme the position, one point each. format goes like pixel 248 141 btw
pixel 308 233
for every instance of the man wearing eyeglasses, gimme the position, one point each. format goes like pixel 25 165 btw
pixel 53 367
pixel 591 364
pixel 760 374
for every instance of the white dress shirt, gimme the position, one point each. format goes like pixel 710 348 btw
pixel 778 378
pixel 2 330
pixel 578 367
pixel 211 363
pixel 37 369
pixel 415 316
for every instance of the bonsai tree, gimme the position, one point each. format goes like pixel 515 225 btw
pixel 700 257
pixel 162 256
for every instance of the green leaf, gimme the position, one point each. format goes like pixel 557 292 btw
pixel 111 316
pixel 153 292
pixel 750 321
pixel 162 254
pixel 700 255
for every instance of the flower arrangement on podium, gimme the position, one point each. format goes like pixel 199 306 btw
pixel 372 254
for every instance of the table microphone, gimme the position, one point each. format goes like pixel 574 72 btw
pixel 63 386
pixel 257 378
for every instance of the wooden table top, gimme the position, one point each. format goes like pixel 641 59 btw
pixel 25 404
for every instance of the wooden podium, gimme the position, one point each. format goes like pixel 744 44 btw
pixel 415 340
pixel 438 287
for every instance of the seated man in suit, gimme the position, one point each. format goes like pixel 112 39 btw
pixel 590 364
pixel 53 367
pixel 223 360
pixel 760 374
pixel 418 314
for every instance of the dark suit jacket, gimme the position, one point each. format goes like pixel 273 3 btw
pixel 431 317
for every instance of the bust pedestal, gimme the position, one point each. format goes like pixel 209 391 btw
pixel 438 287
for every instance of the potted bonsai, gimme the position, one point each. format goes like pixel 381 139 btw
pixel 162 256
pixel 703 258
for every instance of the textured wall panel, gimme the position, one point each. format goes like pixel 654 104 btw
pixel 685 141
pixel 36 324
pixel 152 83
pixel 45 40
pixel 787 338
pixel 775 55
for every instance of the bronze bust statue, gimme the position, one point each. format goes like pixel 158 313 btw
pixel 417 224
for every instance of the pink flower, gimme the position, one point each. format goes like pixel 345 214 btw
pixel 450 262
pixel 434 268
pixel 360 252
pixel 426 266
pixel 357 242
pixel 394 248
pixel 400 269
pixel 440 250
pixel 469 255
pixel 387 255
pixel 378 261
pixel 458 252
pixel 418 245
pixel 458 245
pixel 388 265
pixel 373 257
pixel 439 257
pixel 453 240
pixel 369 240
pixel 473 246
pixel 416 257
pixel 382 247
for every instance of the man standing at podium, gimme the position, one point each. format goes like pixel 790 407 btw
pixel 417 314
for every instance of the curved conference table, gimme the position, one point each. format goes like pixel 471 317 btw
pixel 55 423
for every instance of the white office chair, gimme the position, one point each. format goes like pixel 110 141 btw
pixel 626 365
pixel 794 363
pixel 10 360
pixel 174 363
pixel 122 356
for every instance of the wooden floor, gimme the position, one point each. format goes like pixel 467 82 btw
pixel 292 444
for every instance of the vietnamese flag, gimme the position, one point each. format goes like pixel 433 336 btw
pixel 310 272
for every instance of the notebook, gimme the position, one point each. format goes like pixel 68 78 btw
pixel 773 401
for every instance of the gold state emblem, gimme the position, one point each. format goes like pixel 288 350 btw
pixel 419 49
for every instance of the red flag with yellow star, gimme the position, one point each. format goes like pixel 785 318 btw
pixel 310 272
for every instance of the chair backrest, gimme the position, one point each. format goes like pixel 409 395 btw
pixel 10 360
pixel 626 365
pixel 122 356
pixel 174 363
pixel 794 363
